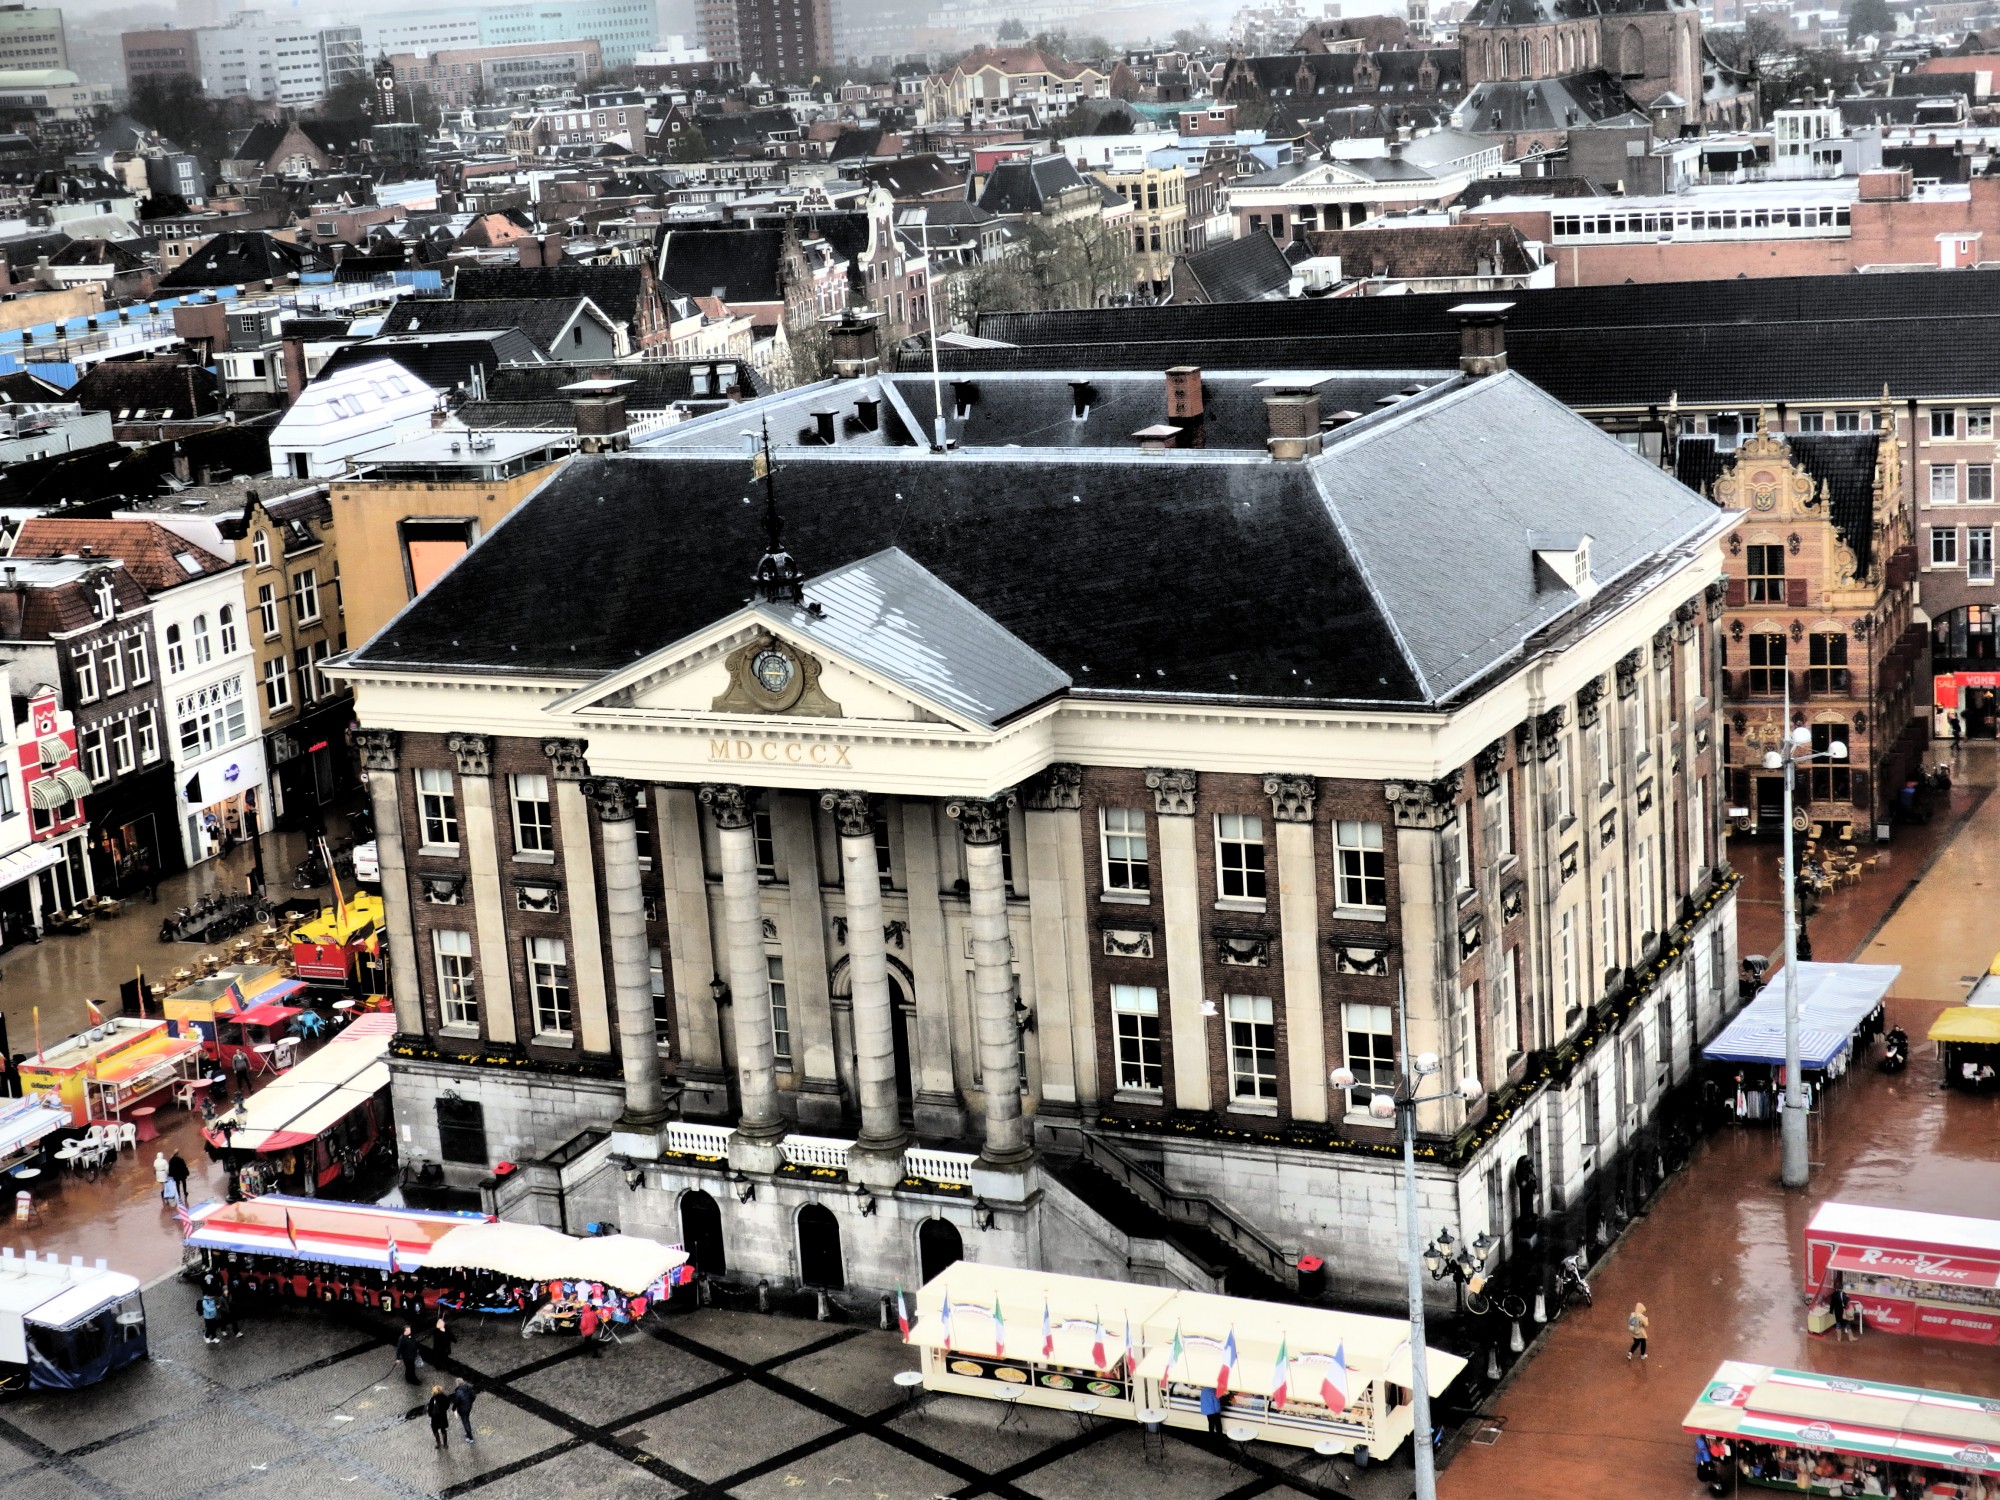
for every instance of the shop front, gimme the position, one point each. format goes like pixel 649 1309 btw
pixel 1932 1274
pixel 1973 696
pixel 20 891
pixel 222 800
pixel 132 839
pixel 309 765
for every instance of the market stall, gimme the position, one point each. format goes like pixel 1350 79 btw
pixel 342 946
pixel 25 1124
pixel 99 1072
pixel 65 1325
pixel 1296 1375
pixel 319 1125
pixel 1840 1009
pixel 1935 1274
pixel 1968 1041
pixel 1831 1435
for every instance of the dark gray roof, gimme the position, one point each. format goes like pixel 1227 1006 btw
pixel 615 289
pixel 747 264
pixel 1133 576
pixel 543 319
pixel 1844 462
pixel 1249 268
pixel 1499 106
pixel 1024 187
pixel 442 361
pixel 238 256
pixel 913 176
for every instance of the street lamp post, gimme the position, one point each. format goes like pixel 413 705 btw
pixel 1794 1168
pixel 1401 1105
pixel 1464 1264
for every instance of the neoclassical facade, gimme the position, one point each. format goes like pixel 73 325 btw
pixel 927 888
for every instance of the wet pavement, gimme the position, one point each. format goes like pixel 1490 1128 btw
pixel 1717 1257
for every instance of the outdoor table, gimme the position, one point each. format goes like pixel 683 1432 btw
pixel 1328 1450
pixel 264 1051
pixel 1240 1433
pixel 143 1119
pixel 1152 1434
pixel 1084 1409
pixel 1010 1410
pixel 911 1381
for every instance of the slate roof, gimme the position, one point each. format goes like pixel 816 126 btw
pixel 615 289
pixel 1024 187
pixel 913 176
pixel 1843 461
pixel 1249 268
pixel 654 383
pixel 25 385
pixel 1501 106
pixel 442 361
pixel 158 558
pixel 169 387
pixel 746 263
pixel 1172 574
pixel 541 319
pixel 237 256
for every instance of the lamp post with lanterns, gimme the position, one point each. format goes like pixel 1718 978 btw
pixel 1400 1103
pixel 1464 1264
pixel 1794 1167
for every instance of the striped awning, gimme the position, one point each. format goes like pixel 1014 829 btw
pixel 59 790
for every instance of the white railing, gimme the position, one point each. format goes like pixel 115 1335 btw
pixel 939 1166
pixel 699 1140
pixel 816 1151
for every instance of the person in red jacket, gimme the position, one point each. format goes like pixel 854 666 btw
pixel 586 1327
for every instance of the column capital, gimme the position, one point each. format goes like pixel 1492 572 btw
pixel 1173 791
pixel 1486 767
pixel 853 812
pixel 566 758
pixel 727 802
pixel 1059 788
pixel 474 752
pixel 617 800
pixel 982 820
pixel 1424 804
pixel 377 747
pixel 1291 796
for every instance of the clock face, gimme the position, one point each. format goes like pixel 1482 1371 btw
pixel 773 670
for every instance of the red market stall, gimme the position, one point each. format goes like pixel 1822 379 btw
pixel 1933 1274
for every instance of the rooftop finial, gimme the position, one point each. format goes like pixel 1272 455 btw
pixel 777 575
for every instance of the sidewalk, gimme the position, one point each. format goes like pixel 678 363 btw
pixel 1717 1258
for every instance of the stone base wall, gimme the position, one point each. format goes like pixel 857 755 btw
pixel 527 1114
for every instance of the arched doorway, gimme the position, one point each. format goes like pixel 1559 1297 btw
pixel 938 1246
pixel 701 1233
pixel 819 1248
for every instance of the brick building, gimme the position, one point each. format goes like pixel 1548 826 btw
pixel 775 39
pixel 458 76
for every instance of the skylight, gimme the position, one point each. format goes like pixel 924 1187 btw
pixel 188 564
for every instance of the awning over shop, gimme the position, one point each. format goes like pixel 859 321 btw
pixel 264 1013
pixel 59 789
pixel 1834 999
pixel 1915 1265
pixel 1964 1023
pixel 26 1121
pixel 22 863
pixel 341 1234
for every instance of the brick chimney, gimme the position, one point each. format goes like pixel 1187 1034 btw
pixel 1482 337
pixel 853 343
pixel 1293 413
pixel 294 356
pixel 600 421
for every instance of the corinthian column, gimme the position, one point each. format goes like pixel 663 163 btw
pixel 759 1126
pixel 378 766
pixel 982 821
pixel 640 1126
pixel 877 1157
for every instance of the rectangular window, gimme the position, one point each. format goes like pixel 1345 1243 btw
pixel 1123 830
pixel 86 676
pixel 211 718
pixel 1979 484
pixel 142 661
pixel 91 751
pixel 1812 421
pixel 1944 546
pixel 1589 1122
pixel 305 596
pixel 277 685
pixel 1506 1005
pixel 1979 554
pixel 267 609
pixel 1944 484
pixel 114 671
pixel 663 1019
pixel 1832 781
pixel 1697 830
pixel 766 845
pixel 1135 1017
pixel 1944 422
pixel 260 549
pixel 1827 664
pixel 1501 805
pixel 1565 789
pixel 781 1012
pixel 1369 1033
pixel 1853 421
pixel 462 1131
pixel 1253 1049
pixel 1642 887
pixel 437 806
pixel 548 982
pixel 1607 923
pixel 121 748
pixel 149 737
pixel 1765 573
pixel 534 816
pixel 1767 664
pixel 1239 856
pixel 1363 881
pixel 458 1000
pixel 302 665
pixel 1979 421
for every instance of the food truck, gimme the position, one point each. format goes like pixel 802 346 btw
pixel 1968 1043
pixel 1295 1375
pixel 341 948
pixel 65 1325
pixel 316 1128
pixel 99 1072
pixel 1830 1435
pixel 236 1009
pixel 1935 1274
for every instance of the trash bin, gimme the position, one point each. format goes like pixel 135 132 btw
pixel 1312 1277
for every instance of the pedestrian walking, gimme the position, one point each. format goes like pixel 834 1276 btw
pixel 440 1341
pixel 226 1313
pixel 439 1408
pixel 160 1172
pixel 239 1066
pixel 177 1171
pixel 462 1396
pixel 1957 729
pixel 1836 1305
pixel 1637 1323
pixel 407 1351
pixel 210 1308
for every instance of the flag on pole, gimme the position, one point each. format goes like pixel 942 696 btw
pixel 96 1014
pixel 902 1313
pixel 1131 1355
pixel 1048 1334
pixel 1281 1378
pixel 183 1218
pixel 1097 1359
pixel 1228 1366
pixel 999 1331
pixel 1333 1388
pixel 395 1264
pixel 290 1238
pixel 944 1318
pixel 1178 1352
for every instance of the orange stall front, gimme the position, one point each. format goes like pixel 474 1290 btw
pixel 100 1072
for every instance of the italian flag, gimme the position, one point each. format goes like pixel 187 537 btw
pixel 1281 1380
pixel 1177 1353
pixel 902 1315
pixel 1048 1334
pixel 999 1332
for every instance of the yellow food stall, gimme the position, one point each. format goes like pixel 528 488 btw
pixel 1968 1039
pixel 342 944
pixel 99 1072
pixel 1345 1377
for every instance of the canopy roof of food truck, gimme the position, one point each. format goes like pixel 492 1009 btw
pixel 357 919
pixel 318 1229
pixel 533 1253
pixel 25 1121
pixel 1833 1000
pixel 29 1284
pixel 1077 1306
pixel 1965 1023
pixel 1900 1226
pixel 267 1013
pixel 1853 1416
pixel 328 1086
pixel 82 1299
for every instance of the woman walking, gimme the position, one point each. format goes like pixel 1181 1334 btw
pixel 439 1410
pixel 1637 1324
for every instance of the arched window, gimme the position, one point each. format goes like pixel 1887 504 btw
pixel 201 644
pixel 176 652
pixel 226 627
pixel 820 1262
pixel 1632 52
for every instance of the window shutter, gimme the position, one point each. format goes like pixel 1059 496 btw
pixel 1738 593
pixel 1795 592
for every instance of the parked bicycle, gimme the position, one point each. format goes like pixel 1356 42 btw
pixel 1572 1285
pixel 1504 1303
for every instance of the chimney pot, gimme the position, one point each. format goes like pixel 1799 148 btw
pixel 1482 337
pixel 1294 424
pixel 1184 393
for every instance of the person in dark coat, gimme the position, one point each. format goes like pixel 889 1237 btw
pixel 439 1409
pixel 177 1168
pixel 462 1397
pixel 407 1351
pixel 440 1341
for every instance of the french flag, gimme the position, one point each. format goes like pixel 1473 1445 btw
pixel 902 1315
pixel 944 1317
pixel 1228 1366
pixel 1048 1334
pixel 1333 1388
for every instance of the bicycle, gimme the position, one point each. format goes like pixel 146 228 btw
pixel 1505 1303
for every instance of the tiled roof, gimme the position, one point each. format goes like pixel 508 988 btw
pixel 163 387
pixel 158 558
pixel 1248 268
pixel 615 289
pixel 1435 250
pixel 543 319
pixel 745 263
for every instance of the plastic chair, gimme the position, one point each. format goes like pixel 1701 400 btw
pixel 308 1023
pixel 93 1137
pixel 128 1135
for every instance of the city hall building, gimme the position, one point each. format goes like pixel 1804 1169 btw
pixel 883 854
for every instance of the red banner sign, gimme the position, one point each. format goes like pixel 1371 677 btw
pixel 1968 1325
pixel 1915 1265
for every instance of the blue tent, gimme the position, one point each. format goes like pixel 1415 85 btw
pixel 1834 999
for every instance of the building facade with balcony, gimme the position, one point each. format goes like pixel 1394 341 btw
pixel 928 888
